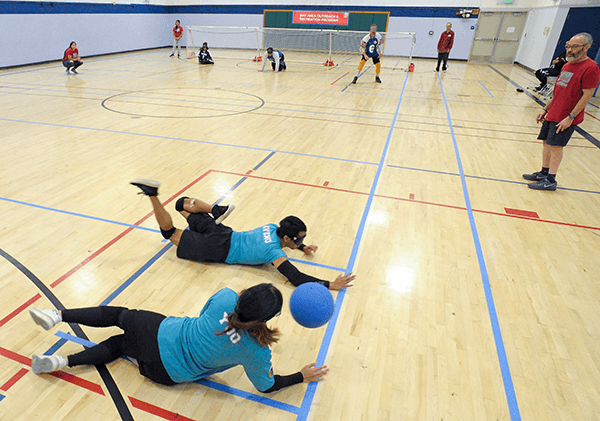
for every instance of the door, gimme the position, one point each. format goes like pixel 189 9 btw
pixel 497 37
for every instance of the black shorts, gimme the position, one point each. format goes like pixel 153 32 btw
pixel 141 342
pixel 548 134
pixel 205 241
pixel 375 59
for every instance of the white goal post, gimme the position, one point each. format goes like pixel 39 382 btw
pixel 329 45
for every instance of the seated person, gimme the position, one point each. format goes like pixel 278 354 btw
pixel 552 71
pixel 204 56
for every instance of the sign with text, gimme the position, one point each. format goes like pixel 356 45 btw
pixel 321 18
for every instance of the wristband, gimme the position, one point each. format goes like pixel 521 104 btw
pixel 301 247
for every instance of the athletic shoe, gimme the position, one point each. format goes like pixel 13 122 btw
pixel 355 79
pixel 536 176
pixel 377 79
pixel 444 70
pixel 74 71
pixel 45 318
pixel 178 56
pixel 47 363
pixel 221 212
pixel 436 70
pixel 172 54
pixel 544 184
pixel 148 187
pixel 68 71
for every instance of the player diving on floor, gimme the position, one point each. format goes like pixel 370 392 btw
pixel 207 240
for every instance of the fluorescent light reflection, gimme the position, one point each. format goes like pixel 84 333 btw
pixel 400 278
pixel 377 218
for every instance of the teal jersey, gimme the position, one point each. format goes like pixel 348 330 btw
pixel 261 245
pixel 190 349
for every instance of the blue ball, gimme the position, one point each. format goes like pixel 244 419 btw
pixel 311 305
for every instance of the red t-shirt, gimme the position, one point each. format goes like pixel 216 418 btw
pixel 71 52
pixel 568 89
pixel 177 31
pixel 446 42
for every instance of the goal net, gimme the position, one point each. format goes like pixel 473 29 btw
pixel 310 46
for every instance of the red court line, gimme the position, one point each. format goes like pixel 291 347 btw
pixel 594 117
pixel 78 381
pixel 547 221
pixel 14 379
pixel 20 309
pixel 339 78
pixel 521 213
pixel 121 235
pixel 155 410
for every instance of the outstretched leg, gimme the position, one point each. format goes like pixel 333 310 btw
pixel 165 222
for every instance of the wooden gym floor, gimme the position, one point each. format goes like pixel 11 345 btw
pixel 476 298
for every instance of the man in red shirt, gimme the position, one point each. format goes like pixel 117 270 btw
pixel 177 35
pixel 71 59
pixel 572 91
pixel 444 46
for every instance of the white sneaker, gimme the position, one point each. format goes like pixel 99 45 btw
pixel 45 318
pixel 47 363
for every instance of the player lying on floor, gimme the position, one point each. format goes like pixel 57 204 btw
pixel 229 331
pixel 208 240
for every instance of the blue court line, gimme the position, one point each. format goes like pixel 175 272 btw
pixel 2 397
pixel 486 89
pixel 593 105
pixel 109 56
pixel 88 75
pixel 359 76
pixel 487 178
pixel 133 277
pixel 186 140
pixel 312 387
pixel 250 396
pixel 509 389
pixel 78 214
pixel 57 345
pixel 307 262
pixel 208 383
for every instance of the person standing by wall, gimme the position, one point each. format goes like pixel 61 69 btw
pixel 177 35
pixel 572 91
pixel 444 46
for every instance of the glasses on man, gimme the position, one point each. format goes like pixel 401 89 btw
pixel 572 47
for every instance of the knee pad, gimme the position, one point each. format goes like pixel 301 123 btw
pixel 179 203
pixel 168 233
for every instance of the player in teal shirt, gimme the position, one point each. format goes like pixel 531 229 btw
pixel 229 331
pixel 207 240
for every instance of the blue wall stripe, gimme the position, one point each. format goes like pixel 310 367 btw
pixel 509 389
pixel 312 387
pixel 38 7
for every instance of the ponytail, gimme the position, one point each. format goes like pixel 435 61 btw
pixel 258 330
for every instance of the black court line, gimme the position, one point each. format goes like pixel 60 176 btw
pixel 578 129
pixel 109 382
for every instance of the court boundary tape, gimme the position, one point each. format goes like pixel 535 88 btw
pixel 509 390
pixel 331 325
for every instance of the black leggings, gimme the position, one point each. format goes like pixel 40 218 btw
pixel 138 341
